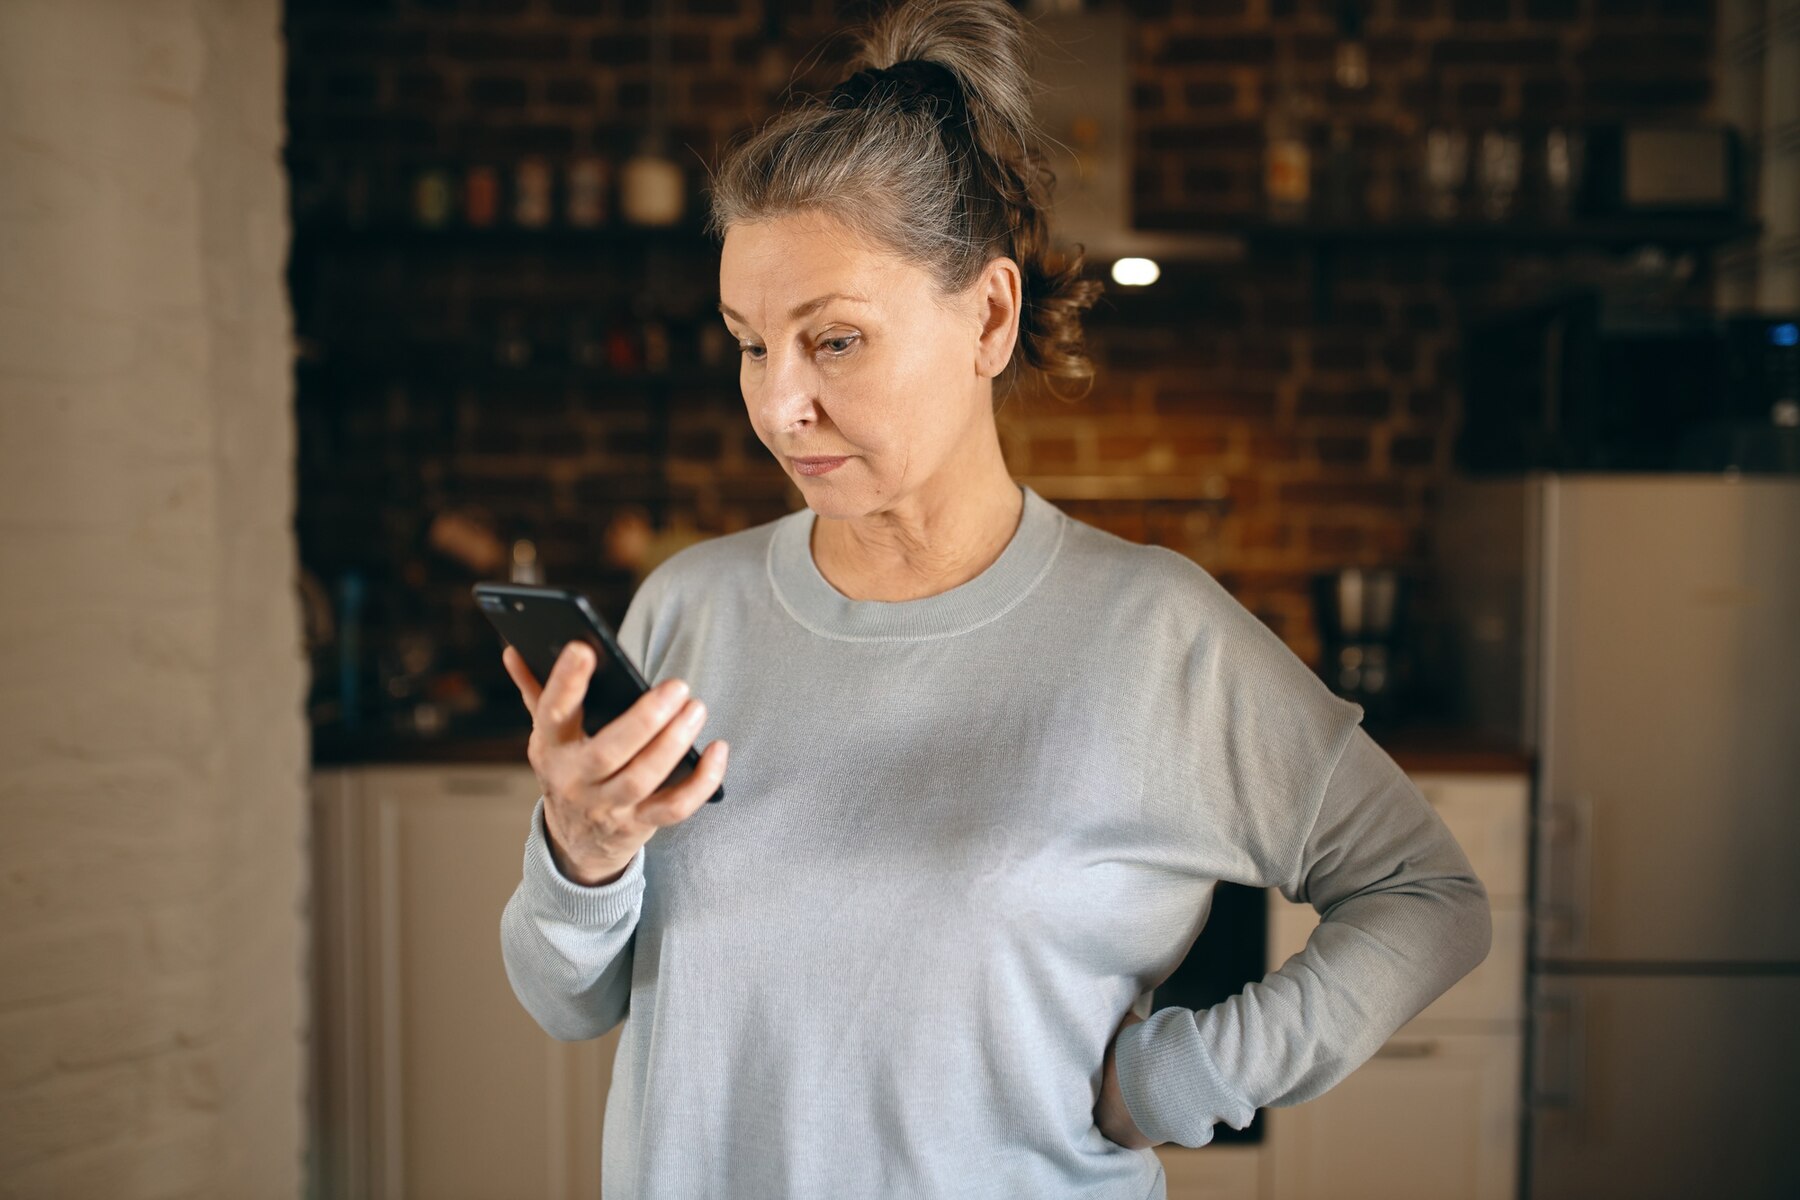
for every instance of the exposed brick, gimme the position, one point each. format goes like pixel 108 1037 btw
pixel 354 87
pixel 495 91
pixel 1648 94
pixel 1205 94
pixel 1360 492
pixel 1481 95
pixel 479 45
pixel 1274 447
pixel 425 87
pixel 573 90
pixel 1187 400
pixel 1199 445
pixel 1047 452
pixel 1494 52
pixel 619 49
pixel 1412 450
pixel 1331 353
pixel 1224 48
pixel 1341 450
pixel 1344 402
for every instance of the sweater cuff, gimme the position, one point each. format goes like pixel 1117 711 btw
pixel 1171 1084
pixel 555 894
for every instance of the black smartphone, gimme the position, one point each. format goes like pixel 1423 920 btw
pixel 539 621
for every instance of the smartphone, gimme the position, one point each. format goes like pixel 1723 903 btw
pixel 539 621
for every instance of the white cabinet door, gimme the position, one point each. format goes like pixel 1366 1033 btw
pixel 1427 1118
pixel 1212 1172
pixel 434 1082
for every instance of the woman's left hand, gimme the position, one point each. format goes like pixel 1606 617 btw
pixel 1110 1113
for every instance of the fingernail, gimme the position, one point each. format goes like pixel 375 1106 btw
pixel 678 692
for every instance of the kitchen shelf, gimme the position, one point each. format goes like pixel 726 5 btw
pixel 313 236
pixel 1619 233
pixel 472 369
pixel 1324 240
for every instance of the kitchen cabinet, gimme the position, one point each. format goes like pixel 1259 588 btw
pixel 430 1080
pixel 1436 1112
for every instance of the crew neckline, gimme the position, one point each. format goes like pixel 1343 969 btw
pixel 811 599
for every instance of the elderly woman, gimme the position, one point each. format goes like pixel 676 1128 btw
pixel 988 762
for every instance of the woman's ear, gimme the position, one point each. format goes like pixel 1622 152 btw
pixel 1000 290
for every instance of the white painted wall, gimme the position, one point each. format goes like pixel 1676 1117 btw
pixel 153 748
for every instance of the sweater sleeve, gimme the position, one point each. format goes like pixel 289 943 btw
pixel 1402 918
pixel 567 947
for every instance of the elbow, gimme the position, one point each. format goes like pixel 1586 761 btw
pixel 1475 928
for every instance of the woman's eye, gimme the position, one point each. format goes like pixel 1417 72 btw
pixel 836 346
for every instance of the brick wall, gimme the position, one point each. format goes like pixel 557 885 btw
pixel 1327 438
pixel 152 789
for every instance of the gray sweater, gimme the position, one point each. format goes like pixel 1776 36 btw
pixel 962 835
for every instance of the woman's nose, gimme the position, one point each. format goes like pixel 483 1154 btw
pixel 786 393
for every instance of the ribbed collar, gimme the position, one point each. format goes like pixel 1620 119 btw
pixel 812 601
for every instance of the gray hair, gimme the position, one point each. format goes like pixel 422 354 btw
pixel 882 168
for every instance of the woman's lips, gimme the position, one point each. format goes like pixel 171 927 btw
pixel 818 466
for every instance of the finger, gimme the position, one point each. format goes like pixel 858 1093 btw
pixel 558 711
pixel 529 689
pixel 684 799
pixel 617 743
pixel 645 773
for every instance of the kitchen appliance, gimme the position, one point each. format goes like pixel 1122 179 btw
pixel 1568 384
pixel 1674 169
pixel 1641 635
pixel 1360 610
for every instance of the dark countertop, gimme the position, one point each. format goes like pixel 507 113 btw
pixel 1416 747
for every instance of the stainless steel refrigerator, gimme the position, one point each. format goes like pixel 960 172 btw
pixel 1641 634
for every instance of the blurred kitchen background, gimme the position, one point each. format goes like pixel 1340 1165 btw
pixel 1459 339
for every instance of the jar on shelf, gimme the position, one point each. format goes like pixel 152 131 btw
pixel 532 184
pixel 587 180
pixel 432 202
pixel 481 196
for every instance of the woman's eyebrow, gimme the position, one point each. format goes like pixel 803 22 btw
pixel 800 310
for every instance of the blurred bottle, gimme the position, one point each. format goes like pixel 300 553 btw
pixel 525 565
pixel 587 192
pixel 532 192
pixel 481 197
pixel 1287 160
pixel 432 198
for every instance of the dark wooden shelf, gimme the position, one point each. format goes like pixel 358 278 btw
pixel 315 236
pixel 473 369
pixel 1615 233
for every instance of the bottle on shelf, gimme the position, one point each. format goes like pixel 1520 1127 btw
pixel 432 200
pixel 1343 192
pixel 532 189
pixel 481 196
pixel 586 202
pixel 1287 158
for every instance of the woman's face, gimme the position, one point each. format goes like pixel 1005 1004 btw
pixel 846 352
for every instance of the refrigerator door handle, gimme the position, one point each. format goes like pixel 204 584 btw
pixel 1567 839
pixel 1558 1088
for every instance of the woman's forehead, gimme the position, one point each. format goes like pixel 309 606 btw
pixel 776 274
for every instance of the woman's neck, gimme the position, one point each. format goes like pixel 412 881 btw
pixel 920 548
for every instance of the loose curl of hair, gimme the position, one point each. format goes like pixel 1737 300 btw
pixel 949 202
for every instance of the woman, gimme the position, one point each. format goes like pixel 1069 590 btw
pixel 988 762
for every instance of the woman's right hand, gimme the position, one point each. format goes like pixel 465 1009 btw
pixel 601 795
